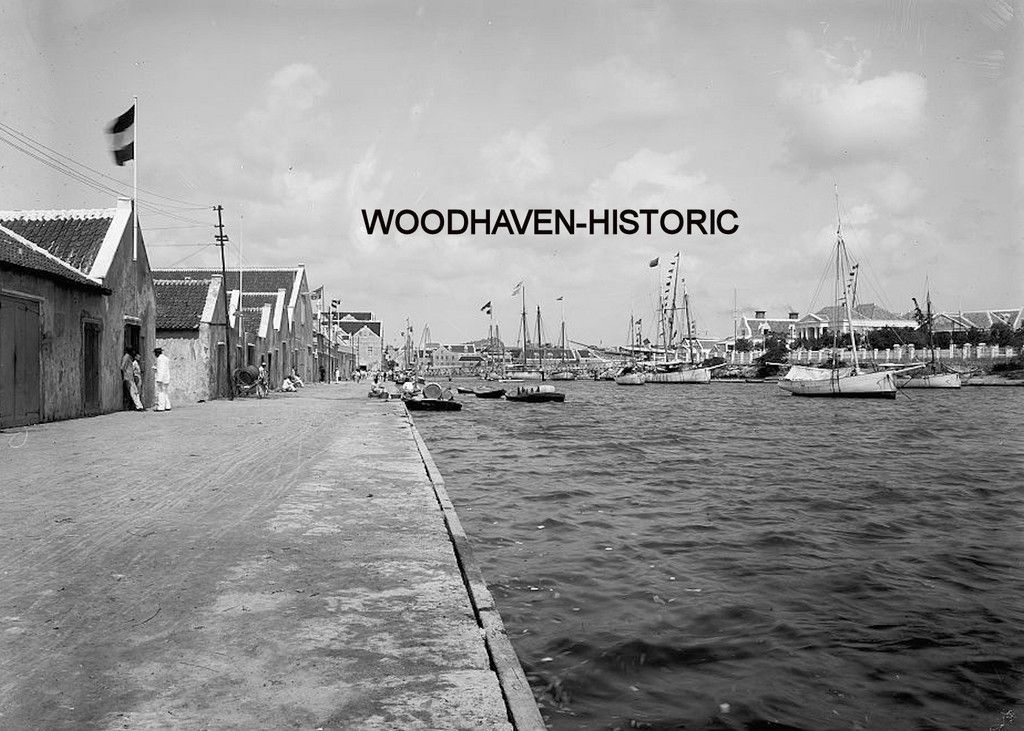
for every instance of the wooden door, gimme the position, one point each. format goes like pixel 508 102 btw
pixel 91 366
pixel 20 388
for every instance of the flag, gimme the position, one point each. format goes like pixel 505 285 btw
pixel 486 309
pixel 316 294
pixel 518 289
pixel 122 137
pixel 653 263
pixel 558 300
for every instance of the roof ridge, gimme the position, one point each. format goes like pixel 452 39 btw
pixel 229 269
pixel 54 214
pixel 157 280
pixel 43 252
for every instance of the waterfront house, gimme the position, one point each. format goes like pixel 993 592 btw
pixel 757 327
pixel 190 327
pixel 964 320
pixel 865 318
pixel 75 291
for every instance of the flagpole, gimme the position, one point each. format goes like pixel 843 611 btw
pixel 135 181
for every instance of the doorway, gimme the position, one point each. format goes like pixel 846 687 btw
pixel 20 388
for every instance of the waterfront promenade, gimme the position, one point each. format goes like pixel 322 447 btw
pixel 284 563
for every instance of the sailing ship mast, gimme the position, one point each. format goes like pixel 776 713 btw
pixel 689 326
pixel 671 324
pixel 843 257
pixel 526 335
pixel 540 346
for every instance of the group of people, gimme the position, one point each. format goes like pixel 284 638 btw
pixel 131 378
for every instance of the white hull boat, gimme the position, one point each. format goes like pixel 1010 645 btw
pixel 930 380
pixel 562 376
pixel 526 375
pixel 690 375
pixel 880 384
pixel 813 373
pixel 630 379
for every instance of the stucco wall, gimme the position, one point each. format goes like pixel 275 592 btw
pixel 62 311
pixel 133 296
pixel 190 378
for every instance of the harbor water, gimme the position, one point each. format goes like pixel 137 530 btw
pixel 729 556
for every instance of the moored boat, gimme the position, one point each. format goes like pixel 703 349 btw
pixel 878 384
pixel 433 398
pixel 935 376
pixel 686 375
pixel 419 403
pixel 930 380
pixel 491 393
pixel 536 394
pixel 840 383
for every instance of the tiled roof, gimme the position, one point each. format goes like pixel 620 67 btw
pixel 355 315
pixel 869 311
pixel 73 236
pixel 351 327
pixel 180 304
pixel 774 324
pixel 253 280
pixel 258 299
pixel 19 253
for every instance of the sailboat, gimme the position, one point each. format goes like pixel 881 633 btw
pixel 630 374
pixel 526 373
pixel 563 373
pixel 677 370
pixel 933 376
pixel 839 383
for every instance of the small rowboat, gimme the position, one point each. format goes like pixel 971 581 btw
pixel 493 393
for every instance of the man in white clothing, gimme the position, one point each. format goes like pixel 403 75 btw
pixel 163 380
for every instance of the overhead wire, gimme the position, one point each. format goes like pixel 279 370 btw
pixel 55 161
pixel 185 205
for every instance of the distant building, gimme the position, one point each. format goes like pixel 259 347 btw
pixel 271 317
pixel 74 293
pixel 964 320
pixel 757 327
pixel 363 333
pixel 866 317
pixel 190 327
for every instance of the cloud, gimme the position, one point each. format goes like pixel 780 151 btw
pixel 650 179
pixel 619 87
pixel 896 189
pixel 834 114
pixel 519 159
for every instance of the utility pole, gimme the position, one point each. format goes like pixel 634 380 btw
pixel 222 240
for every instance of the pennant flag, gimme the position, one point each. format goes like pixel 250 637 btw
pixel 518 289
pixel 558 300
pixel 486 309
pixel 653 263
pixel 317 294
pixel 122 137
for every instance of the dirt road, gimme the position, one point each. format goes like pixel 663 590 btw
pixel 256 564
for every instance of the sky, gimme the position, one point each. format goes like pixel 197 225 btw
pixel 296 116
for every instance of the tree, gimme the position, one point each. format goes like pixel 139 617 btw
pixel 743 345
pixel 775 351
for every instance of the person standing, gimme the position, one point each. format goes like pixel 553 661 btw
pixel 163 380
pixel 126 377
pixel 135 388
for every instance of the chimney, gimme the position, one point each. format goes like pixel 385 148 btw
pixel 758 314
pixel 794 315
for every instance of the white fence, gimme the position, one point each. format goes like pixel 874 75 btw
pixel 891 355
